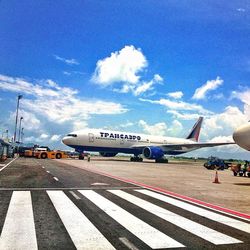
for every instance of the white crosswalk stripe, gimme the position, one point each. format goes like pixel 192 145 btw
pixel 192 227
pixel 82 232
pixel 151 236
pixel 199 211
pixel 19 229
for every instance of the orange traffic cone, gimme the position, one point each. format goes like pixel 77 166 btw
pixel 216 179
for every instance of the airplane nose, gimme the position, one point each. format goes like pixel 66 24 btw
pixel 241 136
pixel 65 140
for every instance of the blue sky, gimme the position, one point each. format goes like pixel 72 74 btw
pixel 143 66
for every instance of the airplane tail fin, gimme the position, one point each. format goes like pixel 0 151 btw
pixel 195 131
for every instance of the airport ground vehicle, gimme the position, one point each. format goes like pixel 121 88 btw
pixel 57 154
pixel 33 152
pixel 215 163
pixel 238 170
pixel 43 152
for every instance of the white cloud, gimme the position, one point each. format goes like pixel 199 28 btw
pixel 200 93
pixel 178 105
pixel 127 124
pixel 44 136
pixel 143 88
pixel 176 95
pixel 30 120
pixel 52 84
pixel 67 61
pixel 156 129
pixel 244 97
pixel 47 101
pixel 161 128
pixel 183 116
pixel 55 137
pixel 20 85
pixel 140 88
pixel 146 86
pixel 175 128
pixel 121 66
pixel 223 124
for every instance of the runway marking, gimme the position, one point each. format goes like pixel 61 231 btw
pixel 82 232
pixel 5 166
pixel 99 184
pixel 128 244
pixel 200 211
pixel 19 229
pixel 195 228
pixel 148 234
pixel 55 178
pixel 75 195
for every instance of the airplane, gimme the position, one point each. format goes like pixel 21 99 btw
pixel 109 143
pixel 242 136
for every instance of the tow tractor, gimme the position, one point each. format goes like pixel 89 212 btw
pixel 45 152
pixel 54 154
pixel 215 163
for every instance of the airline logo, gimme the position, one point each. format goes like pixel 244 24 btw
pixel 120 136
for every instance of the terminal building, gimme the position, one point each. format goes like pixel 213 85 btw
pixel 5 150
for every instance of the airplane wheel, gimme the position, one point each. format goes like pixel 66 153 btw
pixel 161 160
pixel 136 159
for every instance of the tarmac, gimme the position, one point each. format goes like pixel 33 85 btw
pixel 188 178
pixel 112 203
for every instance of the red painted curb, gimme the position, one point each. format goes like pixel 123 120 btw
pixel 186 198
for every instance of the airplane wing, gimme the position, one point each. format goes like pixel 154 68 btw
pixel 183 146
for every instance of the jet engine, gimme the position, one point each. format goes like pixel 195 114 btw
pixel 108 154
pixel 153 152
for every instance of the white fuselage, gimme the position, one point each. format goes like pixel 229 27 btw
pixel 121 142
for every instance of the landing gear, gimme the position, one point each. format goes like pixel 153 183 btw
pixel 161 160
pixel 136 159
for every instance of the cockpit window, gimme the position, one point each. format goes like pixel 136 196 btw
pixel 73 135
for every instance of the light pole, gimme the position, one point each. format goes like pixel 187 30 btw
pixel 18 98
pixel 22 135
pixel 19 133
